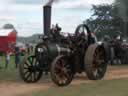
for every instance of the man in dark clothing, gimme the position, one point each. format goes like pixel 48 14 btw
pixel 17 56
pixel 58 35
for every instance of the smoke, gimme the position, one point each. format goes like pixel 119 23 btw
pixel 49 3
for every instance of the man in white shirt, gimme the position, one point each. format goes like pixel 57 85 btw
pixel 7 59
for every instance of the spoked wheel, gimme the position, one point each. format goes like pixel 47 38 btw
pixel 29 70
pixel 61 71
pixel 95 62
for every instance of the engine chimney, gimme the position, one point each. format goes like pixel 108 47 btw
pixel 47 19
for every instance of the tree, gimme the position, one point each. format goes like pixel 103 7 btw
pixel 104 18
pixel 121 5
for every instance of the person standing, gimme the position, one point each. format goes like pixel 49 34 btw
pixel 17 56
pixel 7 62
pixel 52 34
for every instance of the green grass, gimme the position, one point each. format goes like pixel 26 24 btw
pixel 9 74
pixel 99 88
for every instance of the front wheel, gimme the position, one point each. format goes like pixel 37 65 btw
pixel 61 71
pixel 29 70
pixel 95 62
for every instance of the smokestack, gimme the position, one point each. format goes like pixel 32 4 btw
pixel 47 19
pixel 47 16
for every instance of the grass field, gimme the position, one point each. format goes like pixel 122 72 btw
pixel 11 73
pixel 97 88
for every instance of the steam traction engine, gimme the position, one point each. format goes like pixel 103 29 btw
pixel 64 58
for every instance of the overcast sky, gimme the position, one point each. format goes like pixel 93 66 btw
pixel 26 15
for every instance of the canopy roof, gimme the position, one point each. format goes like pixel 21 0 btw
pixel 5 32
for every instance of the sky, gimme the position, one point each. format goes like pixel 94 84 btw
pixel 27 15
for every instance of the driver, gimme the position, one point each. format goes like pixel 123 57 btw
pixel 58 28
pixel 53 29
pixel 55 32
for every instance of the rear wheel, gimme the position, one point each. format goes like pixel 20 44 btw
pixel 29 70
pixel 95 62
pixel 61 71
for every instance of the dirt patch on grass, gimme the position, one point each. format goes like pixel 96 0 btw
pixel 12 88
pixel 18 88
